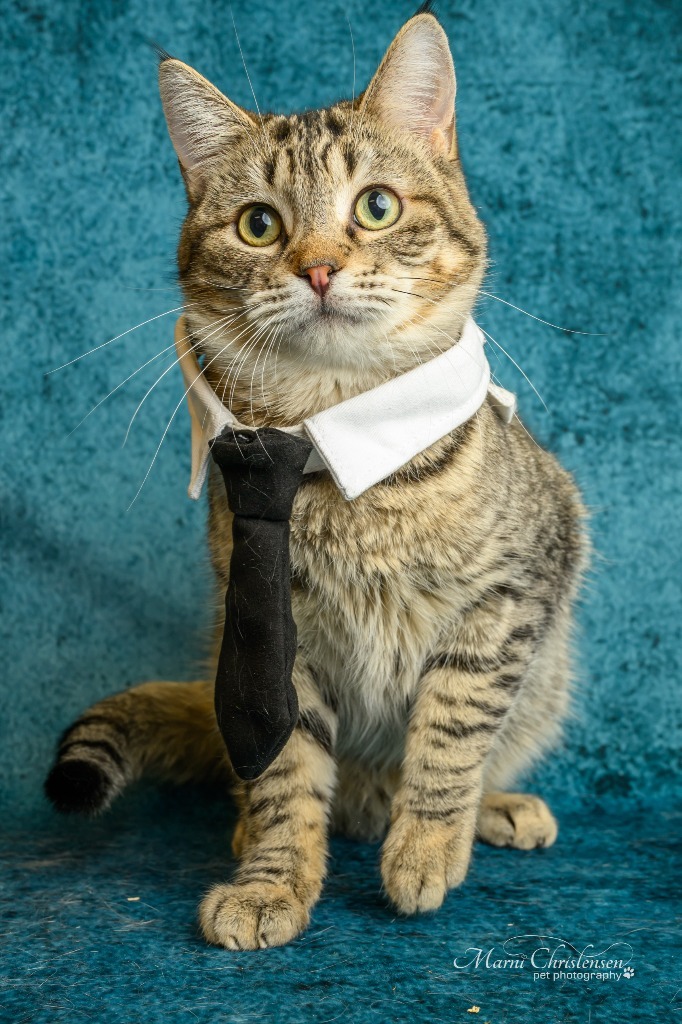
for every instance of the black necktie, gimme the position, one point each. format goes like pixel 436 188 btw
pixel 255 699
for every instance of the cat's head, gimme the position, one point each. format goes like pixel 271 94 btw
pixel 342 239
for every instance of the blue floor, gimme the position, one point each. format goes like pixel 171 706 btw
pixel 100 925
pixel 569 118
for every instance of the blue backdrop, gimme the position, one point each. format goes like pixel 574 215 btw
pixel 569 125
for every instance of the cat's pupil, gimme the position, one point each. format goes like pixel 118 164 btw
pixel 378 203
pixel 259 222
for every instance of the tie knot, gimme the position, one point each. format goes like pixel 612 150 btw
pixel 262 470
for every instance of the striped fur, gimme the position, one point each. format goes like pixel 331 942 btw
pixel 434 611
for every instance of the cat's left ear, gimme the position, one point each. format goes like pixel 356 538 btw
pixel 414 88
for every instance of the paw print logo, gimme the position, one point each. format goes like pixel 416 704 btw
pixel 628 972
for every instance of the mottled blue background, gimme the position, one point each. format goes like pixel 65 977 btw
pixel 569 123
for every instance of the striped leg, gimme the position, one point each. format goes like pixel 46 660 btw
pixel 281 837
pixel 433 819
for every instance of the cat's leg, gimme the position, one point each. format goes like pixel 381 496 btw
pixel 167 730
pixel 460 705
pixel 532 727
pixel 281 836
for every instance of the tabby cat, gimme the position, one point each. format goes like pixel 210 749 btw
pixel 322 254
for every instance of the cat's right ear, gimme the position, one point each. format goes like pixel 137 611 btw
pixel 201 121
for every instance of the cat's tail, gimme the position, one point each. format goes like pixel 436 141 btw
pixel 166 730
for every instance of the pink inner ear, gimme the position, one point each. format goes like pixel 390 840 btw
pixel 414 88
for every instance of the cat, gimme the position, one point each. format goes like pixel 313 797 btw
pixel 322 254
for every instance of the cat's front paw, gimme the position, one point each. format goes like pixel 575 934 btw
pixel 253 915
pixel 420 861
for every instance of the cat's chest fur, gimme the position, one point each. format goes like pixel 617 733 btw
pixel 374 586
pixel 378 582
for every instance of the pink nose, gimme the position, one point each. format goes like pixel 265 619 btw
pixel 319 278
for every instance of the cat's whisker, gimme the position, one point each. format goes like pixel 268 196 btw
pixel 277 337
pixel 521 371
pixel 242 358
pixel 248 78
pixel 118 386
pixel 170 422
pixel 176 309
pixel 412 322
pixel 221 287
pixel 567 330
pixel 277 351
pixel 428 280
pixel 415 355
pixel 520 422
pixel 434 327
pixel 352 102
pixel 503 350
pixel 166 371
pixel 242 331
pixel 448 284
pixel 249 347
pixel 254 344
pixel 266 349
pixel 233 341
pixel 390 349
pixel 527 431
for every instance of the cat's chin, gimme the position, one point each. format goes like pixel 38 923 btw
pixel 336 313
pixel 338 339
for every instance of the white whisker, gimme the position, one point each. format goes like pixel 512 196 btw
pixel 512 360
pixel 112 340
pixel 118 386
pixel 167 370
pixel 568 330
pixel 226 371
pixel 248 78
pixel 276 337
pixel 264 348
pixel 352 102
pixel 241 359
pixel 264 352
pixel 170 421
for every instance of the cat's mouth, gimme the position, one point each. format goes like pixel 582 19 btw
pixel 336 307
pixel 328 312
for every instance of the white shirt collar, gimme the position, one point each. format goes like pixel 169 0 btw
pixel 366 438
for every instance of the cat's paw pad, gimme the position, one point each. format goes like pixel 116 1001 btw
pixel 628 972
pixel 519 820
pixel 416 866
pixel 253 915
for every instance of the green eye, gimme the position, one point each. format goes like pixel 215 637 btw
pixel 259 225
pixel 377 208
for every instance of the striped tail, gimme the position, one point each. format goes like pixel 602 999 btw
pixel 93 764
pixel 167 730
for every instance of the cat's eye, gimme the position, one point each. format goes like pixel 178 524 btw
pixel 377 208
pixel 259 225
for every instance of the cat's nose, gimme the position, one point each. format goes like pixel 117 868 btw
pixel 319 277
